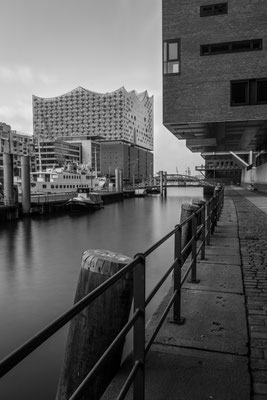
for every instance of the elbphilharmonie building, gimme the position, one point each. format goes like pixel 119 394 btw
pixel 83 114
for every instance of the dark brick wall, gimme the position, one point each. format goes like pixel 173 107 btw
pixel 202 91
pixel 130 159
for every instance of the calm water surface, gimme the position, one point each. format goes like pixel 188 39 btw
pixel 39 268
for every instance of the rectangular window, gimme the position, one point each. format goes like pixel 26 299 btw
pixel 249 92
pixel 230 47
pixel 261 85
pixel 240 93
pixel 213 9
pixel 171 57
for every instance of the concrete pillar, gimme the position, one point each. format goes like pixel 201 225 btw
pixel 120 180
pixel 8 178
pixel 161 182
pixel 25 184
pixel 250 158
pixel 165 184
pixel 97 325
pixel 117 180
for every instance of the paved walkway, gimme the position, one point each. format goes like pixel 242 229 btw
pixel 221 351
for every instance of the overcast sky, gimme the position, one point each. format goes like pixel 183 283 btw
pixel 49 47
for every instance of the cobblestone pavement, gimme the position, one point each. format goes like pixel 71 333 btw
pixel 252 224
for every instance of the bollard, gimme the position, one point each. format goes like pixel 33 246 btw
pixel 201 221
pixel 95 327
pixel 199 203
pixel 186 211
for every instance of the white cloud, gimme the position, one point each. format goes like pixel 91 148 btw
pixel 6 73
pixel 25 75
pixel 18 115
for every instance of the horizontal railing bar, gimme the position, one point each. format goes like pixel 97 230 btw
pixel 198 211
pixel 186 247
pixel 157 244
pixel 199 229
pixel 200 247
pixel 102 359
pixel 129 380
pixel 187 272
pixel 29 346
pixel 162 280
pixel 162 319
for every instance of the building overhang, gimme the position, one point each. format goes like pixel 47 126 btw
pixel 247 135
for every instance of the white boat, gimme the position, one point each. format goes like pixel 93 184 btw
pixel 59 180
pixel 140 192
pixel 85 200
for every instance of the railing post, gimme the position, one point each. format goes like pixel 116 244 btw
pixel 203 232
pixel 194 250
pixel 177 319
pixel 208 222
pixel 216 209
pixel 212 215
pixel 139 328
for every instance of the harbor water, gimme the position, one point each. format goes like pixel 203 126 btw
pixel 40 260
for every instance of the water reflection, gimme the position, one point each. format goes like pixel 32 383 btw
pixel 39 268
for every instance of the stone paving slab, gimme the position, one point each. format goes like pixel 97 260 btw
pixel 224 242
pixel 214 321
pixel 185 374
pixel 218 277
pixel 223 250
pixel 222 258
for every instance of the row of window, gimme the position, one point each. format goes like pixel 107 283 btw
pixel 249 92
pixel 44 186
pixel 213 9
pixel 230 47
pixel 171 51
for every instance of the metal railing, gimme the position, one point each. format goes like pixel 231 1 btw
pixel 53 197
pixel 203 222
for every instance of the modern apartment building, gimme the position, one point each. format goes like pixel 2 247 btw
pixel 56 153
pixel 215 75
pixel 81 113
pixel 18 144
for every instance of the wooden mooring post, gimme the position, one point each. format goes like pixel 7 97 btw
pixel 186 211
pixel 95 327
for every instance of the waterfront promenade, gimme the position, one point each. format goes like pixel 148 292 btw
pixel 221 350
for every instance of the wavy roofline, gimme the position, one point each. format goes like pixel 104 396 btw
pixel 139 96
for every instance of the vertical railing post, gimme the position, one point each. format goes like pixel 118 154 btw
pixel 139 328
pixel 203 232
pixel 177 319
pixel 194 250
pixel 216 215
pixel 212 215
pixel 208 222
